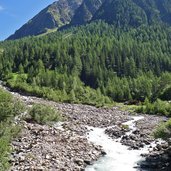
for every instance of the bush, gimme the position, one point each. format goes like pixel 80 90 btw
pixel 164 130
pixel 80 94
pixel 5 105
pixel 8 106
pixel 43 114
pixel 158 107
pixel 7 132
pixel 8 109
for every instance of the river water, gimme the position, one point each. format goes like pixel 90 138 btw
pixel 118 157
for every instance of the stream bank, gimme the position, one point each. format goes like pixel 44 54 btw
pixel 118 156
pixel 68 148
pixel 136 153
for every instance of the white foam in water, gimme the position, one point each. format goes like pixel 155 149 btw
pixel 118 157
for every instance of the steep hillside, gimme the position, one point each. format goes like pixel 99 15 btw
pixel 135 12
pixel 55 15
pixel 86 11
pixel 130 13
pixel 121 12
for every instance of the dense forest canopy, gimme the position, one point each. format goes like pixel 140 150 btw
pixel 95 62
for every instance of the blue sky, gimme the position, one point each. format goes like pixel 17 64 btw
pixel 15 13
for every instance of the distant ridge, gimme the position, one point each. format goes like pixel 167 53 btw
pixel 131 13
pixel 54 16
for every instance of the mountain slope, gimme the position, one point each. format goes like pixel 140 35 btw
pixel 86 11
pixel 130 13
pixel 55 15
pixel 156 10
pixel 121 12
pixel 135 12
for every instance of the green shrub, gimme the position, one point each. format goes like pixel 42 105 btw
pixel 8 109
pixel 164 130
pixel 80 94
pixel 158 107
pixel 43 114
pixel 8 131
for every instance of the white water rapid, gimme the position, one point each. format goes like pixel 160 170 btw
pixel 118 157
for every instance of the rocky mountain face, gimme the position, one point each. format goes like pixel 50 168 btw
pixel 54 16
pixel 76 12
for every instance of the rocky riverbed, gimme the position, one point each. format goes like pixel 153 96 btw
pixel 65 146
pixel 52 148
pixel 141 134
pixel 158 157
pixel 61 146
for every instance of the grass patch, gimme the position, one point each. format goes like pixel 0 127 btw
pixel 129 108
pixel 47 31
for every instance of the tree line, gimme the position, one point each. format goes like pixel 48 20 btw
pixel 95 63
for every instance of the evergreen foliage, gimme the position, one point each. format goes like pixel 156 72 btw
pixel 91 64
